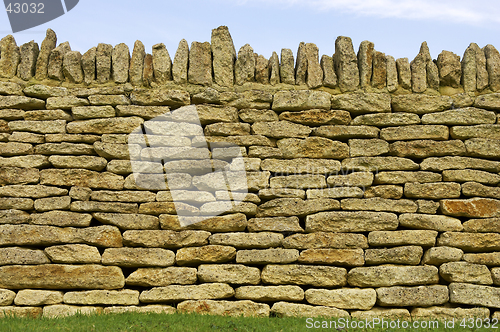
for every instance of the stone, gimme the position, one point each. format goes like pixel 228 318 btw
pixel 158 277
pixel 404 73
pixel 10 88
pixel 489 225
pixel 58 138
pixel 426 238
pixel 72 67
pixel 82 178
pixel 28 57
pixel 14 217
pixel 226 223
pixel 52 203
pixel 21 256
pixel 284 309
pixel 21 102
pixel 274 68
pixel 92 206
pixel 344 298
pixel 359 103
pixel 392 74
pixel 488 101
pixel 47 115
pixel 137 63
pixel 33 191
pixel 421 103
pixel 88 65
pixel 145 309
pixel 379 75
pixel 103 297
pixel 86 162
pixel 227 129
pixel 261 69
pixel 460 117
pixel 267 256
pixel 415 132
pixel 316 117
pixel 431 222
pixel 379 204
pixel 347 221
pixel 180 65
pixel 147 73
pixel 495 272
pixel 33 297
pixel 318 276
pixel 282 193
pixel 73 253
pixel 14 148
pixel 63 310
pixel 118 125
pixel 386 191
pixel 440 255
pixel 468 175
pixel 423 296
pixel 329 75
pixel 229 273
pixel 492 66
pixel 321 239
pixel 367 147
pixel 17 203
pixel 244 67
pixel 26 137
pixel 314 76
pixel 224 56
pixel 10 57
pixel 285 207
pixel 165 238
pixel 337 257
pixel 191 292
pixel 247 241
pixel 365 62
pixel 402 177
pixel 345 132
pixel 92 112
pixel 12 311
pixel 160 97
pixel 17 175
pixel 450 70
pixel 200 64
pixel 336 192
pixel 346 64
pixel 138 257
pixel 80 193
pixel 56 58
pixel 65 103
pixel 287 72
pixel 116 60
pixel 56 276
pixel 111 100
pixel 418 73
pixel 392 275
pixel 432 190
pixel 280 129
pixel 313 147
pixel 465 272
pixel 255 115
pixel 42 62
pixel 301 65
pixel 300 165
pixel 444 163
pixel 276 224
pixel 205 254
pixel 379 164
pixel 356 179
pixel 447 314
pixel 384 313
pixel 269 293
pixel 472 208
pixel 470 242
pixel 22 235
pixel 298 181
pixel 299 100
pixel 476 295
pixel 225 308
pixel 64 148
pixel 409 255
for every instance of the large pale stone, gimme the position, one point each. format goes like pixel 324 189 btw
pixel 381 313
pixel 283 207
pixel 365 62
pixel 145 309
pixel 64 310
pixel 423 296
pixel 470 242
pixel 379 164
pixel 32 297
pixel 336 192
pixel 16 217
pixel 436 190
pixel 225 308
pixel 444 163
pixel 386 119
pixel 367 147
pixel 180 293
pixel 399 255
pixel 280 129
pixel 488 225
pixel 229 273
pixel 415 132
pixel 89 64
pixel 344 298
pixel 317 117
pixel 137 63
pixel 267 256
pixel 313 147
pixel 180 65
pixel 227 223
pixel 119 62
pixel 379 75
pixel 450 70
pixel 103 297
pixel 440 255
pixel 472 208
pixel 247 241
pixel 319 276
pixel 299 100
pixel 420 103
pixel 200 64
pixel 338 257
pixel 55 276
pixel 269 293
pixel 224 56
pixel 329 75
pixel 105 126
pixel 468 175
pixel 10 57
pixel 27 64
pixel 379 204
pixel 155 277
pixel 74 254
pixel 16 203
pixel 160 97
pixel 321 239
pixel 449 314
pixel 12 311
pixel 475 295
pixel 343 221
pixel 488 101
pixel 88 162
pixel 301 64
pixel 244 67
pixel 287 72
pixel 92 206
pixel 205 254
pixel 165 238
pixel 138 257
pixel 22 256
pixel 277 224
pixel 42 62
pixel 492 66
pixel 300 165
pixel 426 238
pixel 21 102
pixel 427 148
pixel 284 309
pixel 346 64
pixel 274 68
pixel 432 222
pixel 82 178
pixel 391 275
pixel 401 177
pixel 465 272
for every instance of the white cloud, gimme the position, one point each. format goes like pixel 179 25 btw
pixel 462 11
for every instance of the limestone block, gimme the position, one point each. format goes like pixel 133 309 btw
pixel 145 112
pixel 300 100
pixel 379 164
pixel 81 178
pixel 165 238
pixel 227 129
pixel 392 74
pixel 282 193
pixel 391 275
pixel 346 64
pixel 225 308
pixel 200 64
pixel 284 309
pixel 317 117
pixel 247 241
pixel 321 239
pixel 280 129
pixel 476 295
pixel 424 238
pixel 73 254
pixel 410 255
pixel 319 276
pixel 267 256
pixel 423 296
pixel 120 125
pixel 27 64
pixel 285 207
pixel 32 297
pixel 386 192
pixel 155 277
pixel 276 224
pixel 269 293
pixel 367 147
pixel 336 192
pixel 42 62
pixel 444 313
pixel 229 273
pixel 16 203
pixel 489 259
pixel 138 257
pixel 154 308
pixel 444 163
pixel 52 203
pixel 337 257
pixel 80 193
pixel 472 208
pixel 346 221
pixel 262 69
pixel 21 102
pixel 344 298
pixel 379 204
pixel 329 75
pixel 301 165
pixel 420 103
pixel 298 181
pixel 470 242
pixel 224 56
pixel 9 311
pixel 180 293
pixel 106 297
pixel 47 115
pixel 64 310
pixel 488 225
pixel 255 115
pixel 313 147
pixel 433 222
pixel 356 179
pixel 22 256
pixel 88 65
pixel 450 70
pixel 119 62
pixel 287 72
pixel 15 217
pixel 274 68
pixel 15 148
pixel 10 57
pixel 436 190
pixel 386 119
pixel 92 206
pixel 205 254
pixel 377 312
pixel 488 101
pixel 227 223
pixel 427 148
pixel 465 272
pixel 401 177
pixel 404 73
pixel 159 97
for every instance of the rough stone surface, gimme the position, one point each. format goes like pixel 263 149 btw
pixel 465 272
pixel 391 275
pixel 319 276
pixel 421 296
pixel 344 298
pixel 399 255
pixel 225 308
pixel 192 292
pixel 158 277
pixel 344 221
pixel 229 273
pixel 284 309
pixel 476 295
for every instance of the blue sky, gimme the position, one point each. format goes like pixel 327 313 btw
pixel 397 27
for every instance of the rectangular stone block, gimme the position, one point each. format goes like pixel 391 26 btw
pixel 225 308
pixel 112 207
pixel 346 221
pixel 35 297
pixel 391 275
pixel 246 240
pixel 472 189
pixel 432 222
pixel 118 125
pixel 318 240
pixel 138 257
pixel 376 164
pixel 444 163
pixel 379 204
pixel 466 272
pixel 39 127
pixel 356 179
pixel 301 166
pixel 414 132
pixel 408 255
pixel 471 175
pixel 22 256
pixel 476 295
pixel 165 238
pixel 424 238
pixel 155 277
pixel 341 257
pixel 227 223
pixel 103 297
pixel 284 309
pixel 267 256
pixel 276 224
pixel 205 254
pixel 229 273
pixel 344 298
pixel 285 207
pixel 269 293
pixel 298 181
pixel 359 103
pixel 420 296
pixel 472 208
pixel 81 178
pixel 128 221
pixel 470 242
pixel 427 148
pixel 73 254
pixel 401 177
pixel 436 190
pixel 480 131
pixel 299 100
pixel 443 313
pixel 175 293
pixel 318 276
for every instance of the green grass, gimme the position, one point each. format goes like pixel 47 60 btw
pixel 179 323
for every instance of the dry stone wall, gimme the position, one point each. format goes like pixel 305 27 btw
pixel 372 182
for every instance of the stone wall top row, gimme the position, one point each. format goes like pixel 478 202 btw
pixel 218 64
